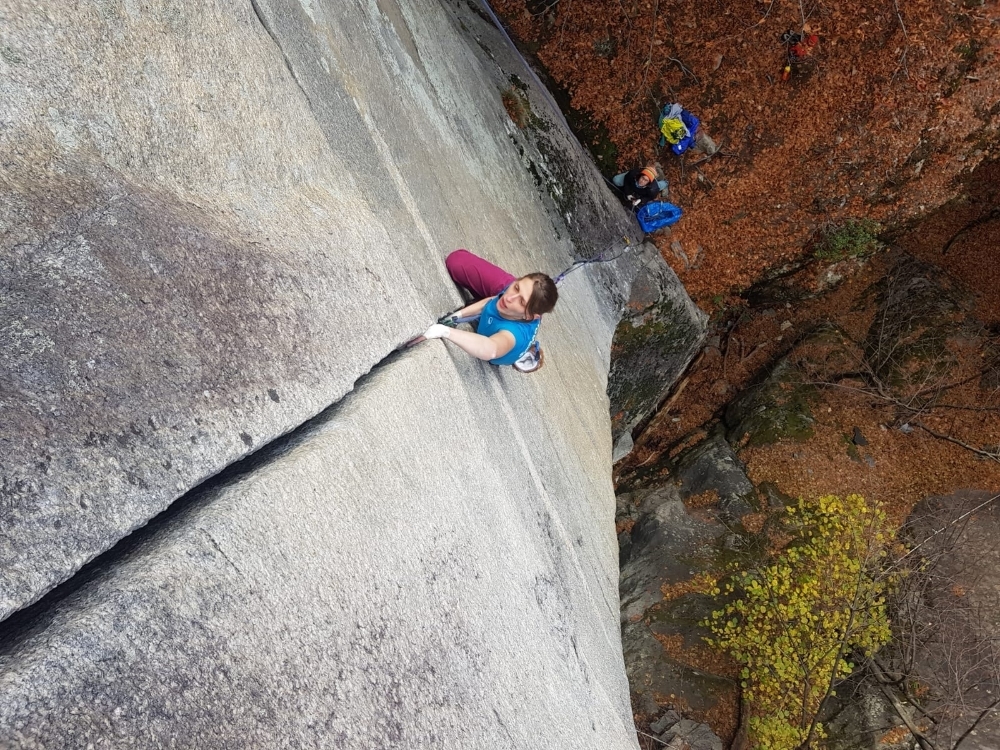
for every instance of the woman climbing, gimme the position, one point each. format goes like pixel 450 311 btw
pixel 510 310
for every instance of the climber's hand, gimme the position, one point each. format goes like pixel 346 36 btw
pixel 437 331
pixel 450 320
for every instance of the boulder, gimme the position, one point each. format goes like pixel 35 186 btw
pixel 778 407
pixel 954 604
pixel 660 332
pixel 668 545
pixel 712 466
pixel 692 736
pixel 918 310
pixel 664 723
pixel 863 720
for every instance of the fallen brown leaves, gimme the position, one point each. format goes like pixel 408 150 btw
pixel 889 110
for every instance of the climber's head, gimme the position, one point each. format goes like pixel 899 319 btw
pixel 528 298
pixel 645 177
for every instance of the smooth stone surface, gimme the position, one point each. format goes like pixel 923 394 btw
pixel 447 580
pixel 222 214
pixel 218 215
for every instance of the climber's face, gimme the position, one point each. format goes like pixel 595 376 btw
pixel 642 180
pixel 513 303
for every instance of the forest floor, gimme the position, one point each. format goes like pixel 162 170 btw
pixel 893 119
pixel 880 121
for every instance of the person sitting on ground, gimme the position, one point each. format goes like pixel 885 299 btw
pixel 639 186
pixel 510 310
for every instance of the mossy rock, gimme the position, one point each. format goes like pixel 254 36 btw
pixel 683 616
pixel 712 466
pixel 775 498
pixel 657 680
pixel 918 309
pixel 865 720
pixel 660 332
pixel 669 546
pixel 778 408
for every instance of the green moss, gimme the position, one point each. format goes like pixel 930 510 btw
pixel 682 615
pixel 642 354
pixel 855 238
pixel 852 449
pixel 968 50
pixel 592 134
pixel 661 330
pixel 779 408
pixel 774 496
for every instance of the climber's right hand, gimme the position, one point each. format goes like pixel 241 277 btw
pixel 437 331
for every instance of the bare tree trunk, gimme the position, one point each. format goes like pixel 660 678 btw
pixel 742 740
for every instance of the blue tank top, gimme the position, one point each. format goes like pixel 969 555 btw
pixel 523 331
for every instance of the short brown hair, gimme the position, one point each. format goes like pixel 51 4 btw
pixel 543 297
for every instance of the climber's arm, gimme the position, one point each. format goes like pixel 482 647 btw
pixel 470 311
pixel 480 347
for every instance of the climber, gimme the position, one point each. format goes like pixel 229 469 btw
pixel 509 309
pixel 639 186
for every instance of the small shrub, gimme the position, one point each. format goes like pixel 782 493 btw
pixel 516 106
pixel 856 238
pixel 795 621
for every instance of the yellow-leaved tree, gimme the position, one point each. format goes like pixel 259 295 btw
pixel 796 619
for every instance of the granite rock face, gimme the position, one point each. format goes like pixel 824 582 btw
pixel 667 546
pixel 216 218
pixel 359 588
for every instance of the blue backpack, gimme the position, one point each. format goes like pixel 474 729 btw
pixel 657 215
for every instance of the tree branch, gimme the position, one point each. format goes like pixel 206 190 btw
pixel 993 456
pixel 979 718
pixel 924 742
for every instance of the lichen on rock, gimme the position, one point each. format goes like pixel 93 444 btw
pixel 659 333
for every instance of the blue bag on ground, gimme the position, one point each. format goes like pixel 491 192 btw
pixel 657 215
pixel 691 123
pixel 681 125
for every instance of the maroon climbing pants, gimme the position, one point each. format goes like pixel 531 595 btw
pixel 479 276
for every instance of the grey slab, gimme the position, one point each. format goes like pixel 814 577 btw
pixel 215 217
pixel 445 580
